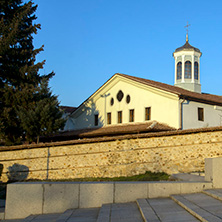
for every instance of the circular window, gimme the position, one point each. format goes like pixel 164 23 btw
pixel 128 99
pixel 111 101
pixel 120 95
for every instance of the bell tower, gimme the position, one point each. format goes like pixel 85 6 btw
pixel 187 66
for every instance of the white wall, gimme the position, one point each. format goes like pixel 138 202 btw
pixel 190 115
pixel 69 125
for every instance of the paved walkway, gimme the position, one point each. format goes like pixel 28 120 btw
pixel 205 206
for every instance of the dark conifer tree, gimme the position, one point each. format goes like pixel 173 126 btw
pixel 19 74
pixel 43 116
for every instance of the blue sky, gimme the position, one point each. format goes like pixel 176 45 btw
pixel 88 41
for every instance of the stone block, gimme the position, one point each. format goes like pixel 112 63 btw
pixel 163 189
pixel 23 199
pixel 194 187
pixel 95 194
pixel 213 168
pixel 130 191
pixel 209 169
pixel 59 197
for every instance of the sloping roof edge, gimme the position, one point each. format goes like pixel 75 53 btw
pixel 94 93
pixel 182 93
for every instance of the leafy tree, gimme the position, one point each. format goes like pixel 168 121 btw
pixel 20 81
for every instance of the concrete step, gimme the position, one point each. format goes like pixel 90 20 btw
pixel 30 218
pixel 104 213
pixel 188 177
pixel 215 193
pixel 2 203
pixel 125 212
pixel 205 206
pixel 168 210
pixel 147 212
pixel 77 215
pixel 2 213
pixel 65 216
pixel 200 205
pixel 87 215
pixel 42 217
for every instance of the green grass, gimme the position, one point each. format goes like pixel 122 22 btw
pixel 148 176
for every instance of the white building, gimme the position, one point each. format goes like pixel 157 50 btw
pixel 125 99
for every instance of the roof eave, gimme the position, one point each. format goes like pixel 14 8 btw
pixel 209 102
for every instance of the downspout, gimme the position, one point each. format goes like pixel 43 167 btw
pixel 181 113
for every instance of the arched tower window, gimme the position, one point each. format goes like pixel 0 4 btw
pixel 196 70
pixel 187 70
pixel 179 70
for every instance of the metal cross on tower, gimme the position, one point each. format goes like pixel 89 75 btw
pixel 187 30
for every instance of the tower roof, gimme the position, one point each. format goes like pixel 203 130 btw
pixel 187 47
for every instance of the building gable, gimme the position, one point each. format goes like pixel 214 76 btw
pixel 123 100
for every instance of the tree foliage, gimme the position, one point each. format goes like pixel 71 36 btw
pixel 42 117
pixel 27 107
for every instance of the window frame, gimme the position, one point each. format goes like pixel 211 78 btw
pixel 179 70
pixel 119 117
pixel 131 115
pixel 109 118
pixel 96 119
pixel 147 113
pixel 187 70
pixel 200 113
pixel 196 70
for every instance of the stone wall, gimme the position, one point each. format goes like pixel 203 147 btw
pixel 169 152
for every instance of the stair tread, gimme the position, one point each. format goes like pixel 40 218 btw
pixel 104 213
pixel 41 217
pixel 125 212
pixel 65 216
pixel 206 202
pixel 84 214
pixel 216 193
pixel 203 214
pixel 168 210
pixel 147 212
pixel 2 203
pixel 181 208
pixel 30 218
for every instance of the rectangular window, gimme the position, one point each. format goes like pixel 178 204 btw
pixel 96 119
pixel 131 115
pixel 108 118
pixel 148 113
pixel 200 114
pixel 119 117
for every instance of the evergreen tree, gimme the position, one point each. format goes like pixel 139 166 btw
pixel 43 116
pixel 20 81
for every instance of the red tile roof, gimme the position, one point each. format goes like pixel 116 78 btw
pixel 182 93
pixel 68 109
pixel 113 130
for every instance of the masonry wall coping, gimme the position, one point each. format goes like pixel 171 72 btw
pixel 106 182
pixel 108 139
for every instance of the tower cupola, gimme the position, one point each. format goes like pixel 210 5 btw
pixel 187 67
